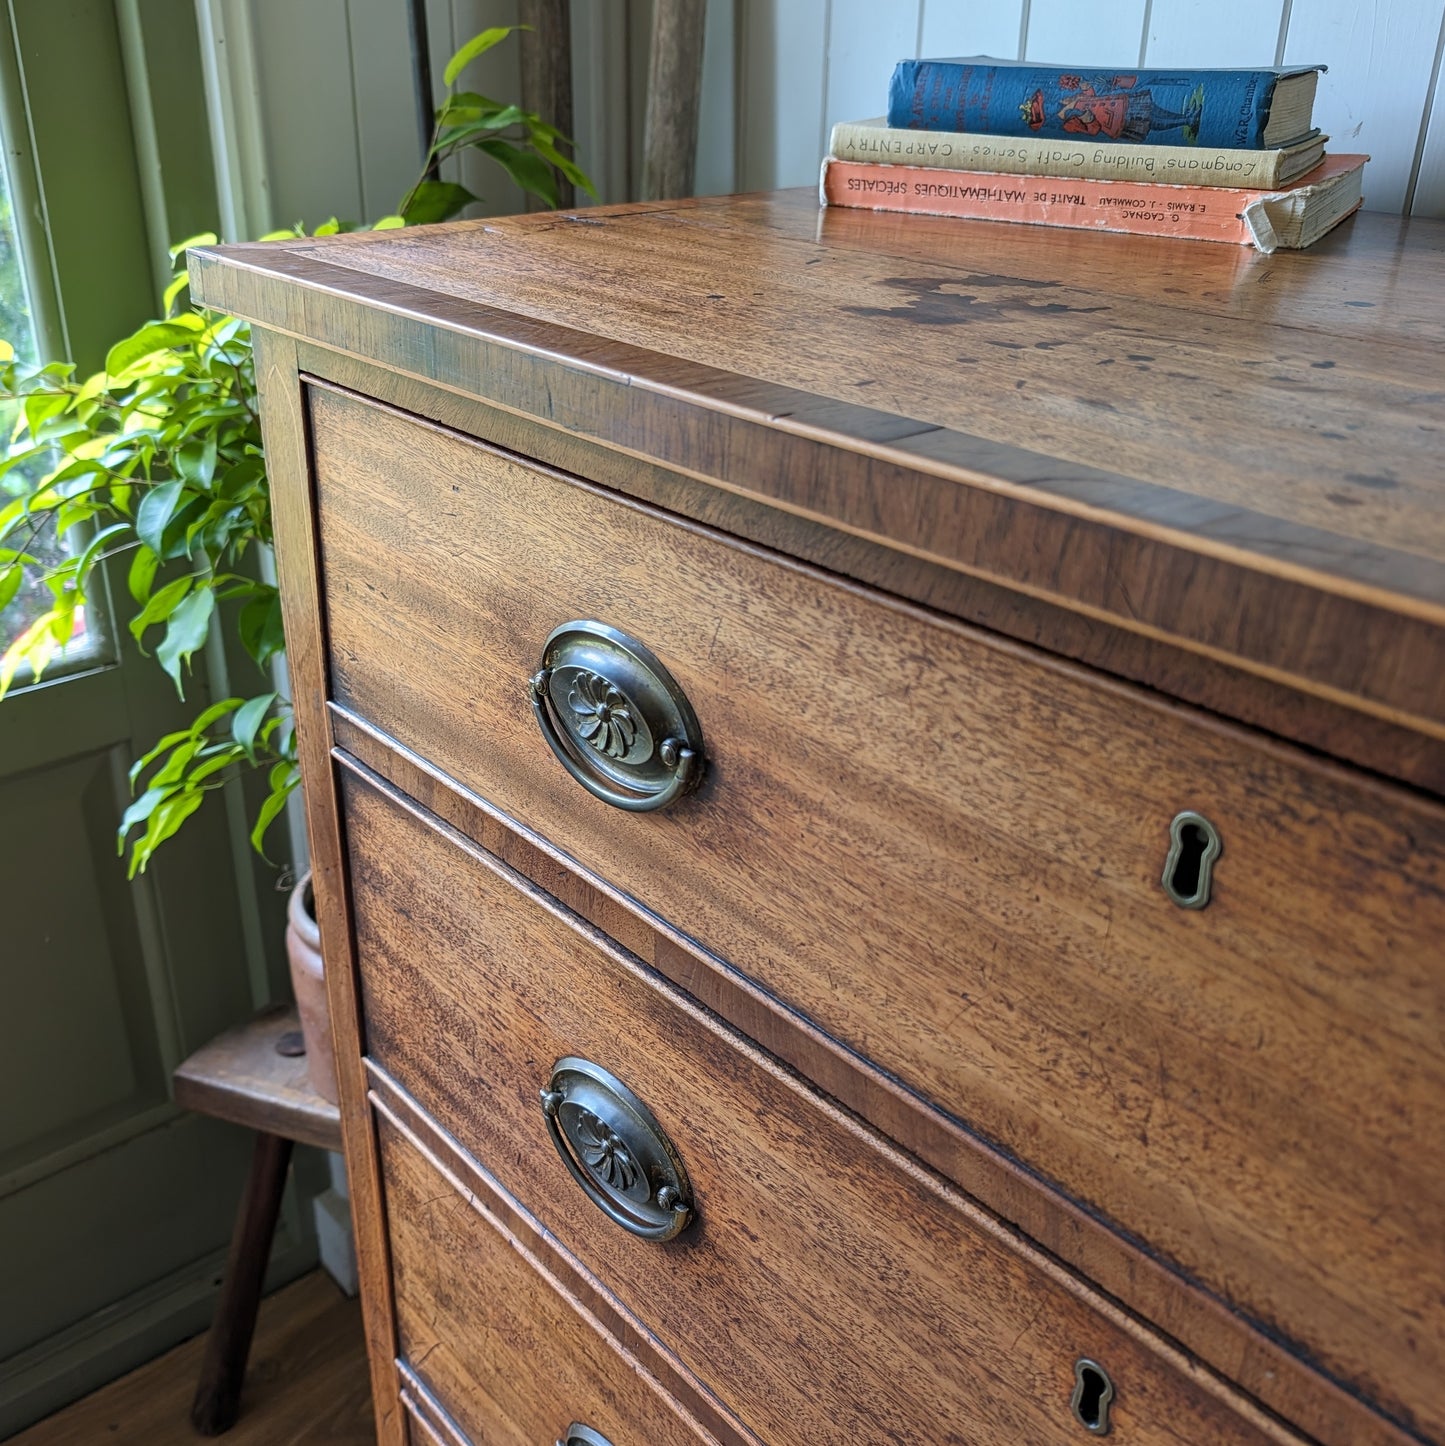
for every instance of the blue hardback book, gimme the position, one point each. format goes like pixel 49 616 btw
pixel 1219 109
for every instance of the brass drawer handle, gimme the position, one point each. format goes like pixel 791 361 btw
pixel 615 1150
pixel 615 718
pixel 580 1435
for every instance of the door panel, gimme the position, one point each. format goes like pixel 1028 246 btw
pixel 115 1208
pixel 83 977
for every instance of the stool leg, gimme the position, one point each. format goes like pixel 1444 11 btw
pixel 218 1394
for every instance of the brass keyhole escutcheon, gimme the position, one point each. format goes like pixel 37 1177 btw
pixel 1093 1392
pixel 1194 847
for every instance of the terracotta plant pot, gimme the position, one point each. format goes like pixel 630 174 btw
pixel 308 982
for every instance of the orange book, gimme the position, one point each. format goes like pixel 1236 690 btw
pixel 1293 216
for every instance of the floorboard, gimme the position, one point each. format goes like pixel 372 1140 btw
pixel 306 1386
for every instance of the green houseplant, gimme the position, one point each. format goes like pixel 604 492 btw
pixel 159 459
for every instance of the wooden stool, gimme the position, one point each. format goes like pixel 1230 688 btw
pixel 254 1076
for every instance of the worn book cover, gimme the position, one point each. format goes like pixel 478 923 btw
pixel 1295 216
pixel 1229 109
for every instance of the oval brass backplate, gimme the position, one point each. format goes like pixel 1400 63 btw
pixel 615 1150
pixel 615 717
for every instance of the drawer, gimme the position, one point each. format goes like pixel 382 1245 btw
pixel 946 851
pixel 490 1340
pixel 825 1279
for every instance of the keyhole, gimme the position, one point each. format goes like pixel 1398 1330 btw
pixel 1093 1390
pixel 1194 845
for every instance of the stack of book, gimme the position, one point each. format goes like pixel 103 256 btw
pixel 1209 155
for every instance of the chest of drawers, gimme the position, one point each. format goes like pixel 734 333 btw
pixel 876 796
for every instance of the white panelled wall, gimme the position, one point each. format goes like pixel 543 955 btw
pixel 314 115
pixel 808 63
pixel 312 110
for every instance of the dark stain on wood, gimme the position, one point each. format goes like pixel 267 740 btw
pixel 953 302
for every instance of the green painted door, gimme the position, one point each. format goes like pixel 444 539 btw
pixel 114 1207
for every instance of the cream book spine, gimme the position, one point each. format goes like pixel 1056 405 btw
pixel 1036 156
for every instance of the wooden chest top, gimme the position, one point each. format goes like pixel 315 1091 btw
pixel 1237 453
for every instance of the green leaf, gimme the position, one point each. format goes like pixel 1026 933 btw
pixel 170 773
pixel 196 461
pixel 12 515
pixel 206 238
pixel 175 290
pixel 220 529
pixel 69 513
pixel 570 169
pixel 10 580
pixel 283 780
pixel 484 125
pixel 35 646
pixel 185 632
pixel 160 606
pixel 142 572
pixel 248 720
pixel 526 168
pixel 389 223
pixel 155 512
pixel 462 106
pixel 138 812
pixel 40 407
pixel 142 763
pixel 164 821
pixel 153 337
pixel 435 201
pixel 214 714
pixel 96 546
pixel 260 626
pixel 181 535
pixel 223 756
pixel 477 45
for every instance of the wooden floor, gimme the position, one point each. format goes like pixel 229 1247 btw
pixel 306 1383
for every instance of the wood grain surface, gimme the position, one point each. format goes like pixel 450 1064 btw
pixel 306 1384
pixel 428 1420
pixel 674 100
pixel 545 53
pixel 1321 723
pixel 240 1076
pixel 1238 1348
pixel 573 1278
pixel 1236 453
pixel 966 888
pixel 824 1278
pixel 288 467
pixel 508 1356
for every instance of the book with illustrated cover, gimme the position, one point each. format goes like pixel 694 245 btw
pixel 1224 109
pixel 1294 217
pixel 875 140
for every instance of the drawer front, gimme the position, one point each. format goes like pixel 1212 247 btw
pixel 510 1360
pixel 824 1278
pixel 947 852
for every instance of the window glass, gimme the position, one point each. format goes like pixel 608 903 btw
pixel 34 597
